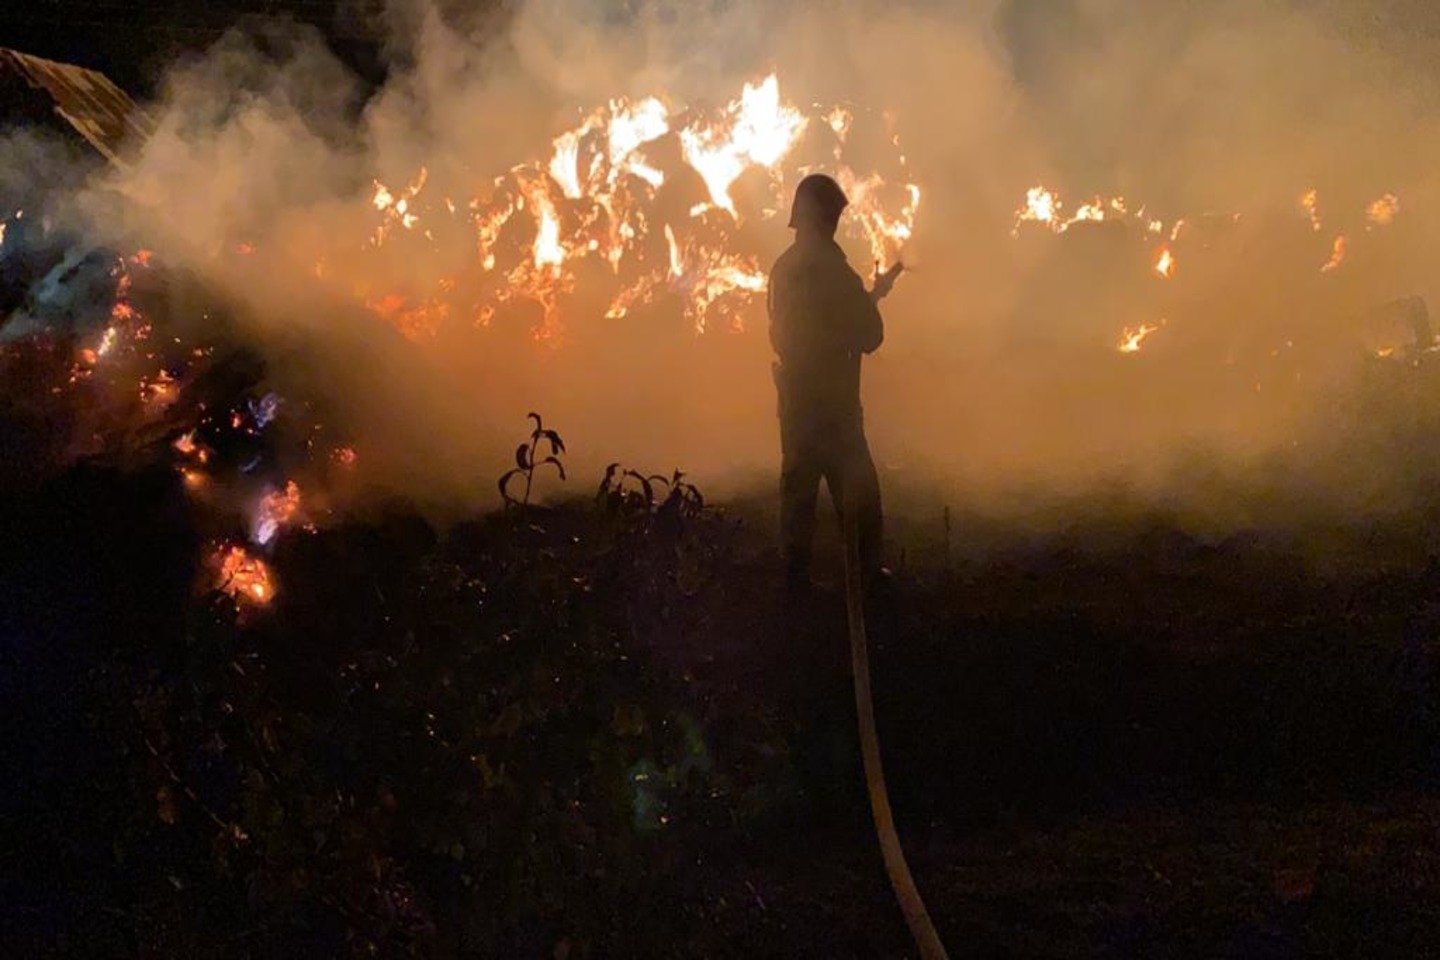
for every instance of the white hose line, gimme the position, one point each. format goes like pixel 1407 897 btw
pixel 911 905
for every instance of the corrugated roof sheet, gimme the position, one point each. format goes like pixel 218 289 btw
pixel 98 110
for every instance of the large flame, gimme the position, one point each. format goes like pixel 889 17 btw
pixel 598 195
pixel 757 131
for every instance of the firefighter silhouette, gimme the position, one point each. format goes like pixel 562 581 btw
pixel 822 321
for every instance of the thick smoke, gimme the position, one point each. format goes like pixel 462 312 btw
pixel 1000 377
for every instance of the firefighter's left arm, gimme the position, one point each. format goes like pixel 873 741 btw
pixel 864 327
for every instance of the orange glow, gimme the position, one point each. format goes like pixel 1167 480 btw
pixel 1310 203
pixel 188 447
pixel 886 233
pixel 275 510
pixel 242 576
pixel 415 321
pixel 1132 338
pixel 1165 263
pixel 1337 254
pixel 159 392
pixel 1381 212
pixel 1041 206
pixel 396 210
pixel 594 195
pixel 758 130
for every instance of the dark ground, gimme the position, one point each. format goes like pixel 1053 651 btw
pixel 603 732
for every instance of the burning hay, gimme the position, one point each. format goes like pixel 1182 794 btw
pixel 242 576
pixel 659 195
pixel 1044 211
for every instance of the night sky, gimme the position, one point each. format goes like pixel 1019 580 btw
pixel 132 42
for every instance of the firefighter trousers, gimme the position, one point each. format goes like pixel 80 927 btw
pixel 813 447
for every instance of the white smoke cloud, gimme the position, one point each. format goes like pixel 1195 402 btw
pixel 999 372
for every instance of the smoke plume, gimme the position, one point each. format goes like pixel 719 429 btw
pixel 1000 378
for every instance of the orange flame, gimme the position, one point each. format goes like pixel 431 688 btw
pixel 758 130
pixel 1337 254
pixel 276 509
pixel 594 194
pixel 1041 206
pixel 158 393
pixel 1310 203
pixel 242 576
pixel 1165 263
pixel 1132 338
pixel 1381 212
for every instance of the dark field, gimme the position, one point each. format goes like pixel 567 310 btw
pixel 601 730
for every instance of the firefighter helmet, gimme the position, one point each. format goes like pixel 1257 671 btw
pixel 818 199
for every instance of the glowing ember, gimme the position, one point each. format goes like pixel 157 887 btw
pixel 343 457
pixel 187 446
pixel 1041 206
pixel 1165 263
pixel 1310 203
pixel 1381 212
pixel 1337 254
pixel 276 509
pixel 159 392
pixel 1094 210
pixel 242 576
pixel 396 210
pixel 1132 338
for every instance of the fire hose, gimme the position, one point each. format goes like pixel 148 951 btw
pixel 917 918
